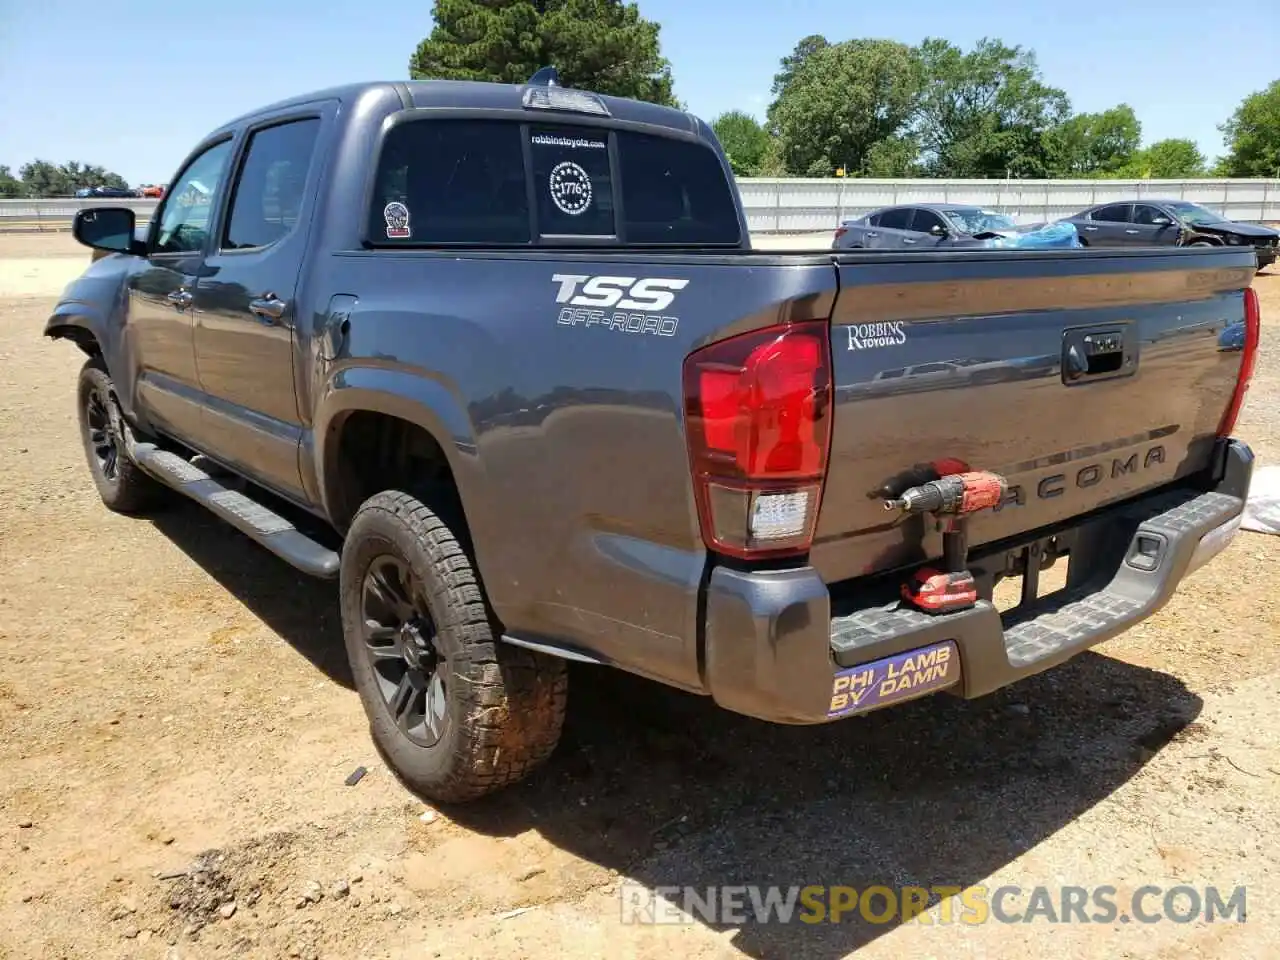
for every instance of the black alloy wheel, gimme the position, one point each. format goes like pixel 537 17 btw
pixel 402 645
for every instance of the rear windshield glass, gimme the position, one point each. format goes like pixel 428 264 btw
pixel 451 181
pixel 572 181
pixel 674 191
pixel 465 181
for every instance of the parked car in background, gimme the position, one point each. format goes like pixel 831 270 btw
pixel 924 225
pixel 1145 223
pixel 152 191
pixel 85 193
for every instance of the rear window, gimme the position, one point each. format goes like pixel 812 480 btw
pixel 572 180
pixel 674 191
pixel 450 181
pixel 442 181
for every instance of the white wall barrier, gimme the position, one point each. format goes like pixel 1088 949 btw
pixel 800 205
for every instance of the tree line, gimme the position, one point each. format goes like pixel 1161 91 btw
pixel 870 107
pixel 40 178
pixel 878 108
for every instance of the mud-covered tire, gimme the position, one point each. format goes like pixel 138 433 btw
pixel 503 706
pixel 121 483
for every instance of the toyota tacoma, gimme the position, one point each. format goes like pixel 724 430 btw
pixel 501 361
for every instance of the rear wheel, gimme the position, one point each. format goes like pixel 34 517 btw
pixel 456 713
pixel 121 483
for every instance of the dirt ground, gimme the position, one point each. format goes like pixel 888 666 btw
pixel 177 723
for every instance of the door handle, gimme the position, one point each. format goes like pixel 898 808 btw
pixel 871 233
pixel 269 307
pixel 180 298
pixel 907 240
pixel 1091 229
pixel 1131 231
pixel 1097 353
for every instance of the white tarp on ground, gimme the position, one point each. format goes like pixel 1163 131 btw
pixel 1262 508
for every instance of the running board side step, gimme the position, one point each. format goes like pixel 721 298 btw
pixel 251 518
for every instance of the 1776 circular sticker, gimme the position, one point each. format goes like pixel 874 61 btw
pixel 570 188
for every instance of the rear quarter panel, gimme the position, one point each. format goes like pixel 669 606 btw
pixel 564 427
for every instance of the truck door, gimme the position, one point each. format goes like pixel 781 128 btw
pixel 246 310
pixel 166 386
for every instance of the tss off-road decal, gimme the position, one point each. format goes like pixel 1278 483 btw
pixel 606 302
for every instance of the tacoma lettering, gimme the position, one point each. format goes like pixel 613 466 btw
pixel 1090 475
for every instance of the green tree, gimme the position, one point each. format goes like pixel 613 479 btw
pixel 1173 159
pixel 10 186
pixel 986 113
pixel 1096 144
pixel 795 60
pixel 1253 136
pixel 892 157
pixel 771 163
pixel 841 101
pixel 40 178
pixel 743 139
pixel 599 45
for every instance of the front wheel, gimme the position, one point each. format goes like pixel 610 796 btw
pixel 121 483
pixel 456 714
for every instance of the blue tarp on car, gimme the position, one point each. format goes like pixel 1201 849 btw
pixel 1048 237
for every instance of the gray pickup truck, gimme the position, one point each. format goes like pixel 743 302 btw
pixel 501 360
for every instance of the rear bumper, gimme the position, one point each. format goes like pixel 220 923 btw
pixel 775 651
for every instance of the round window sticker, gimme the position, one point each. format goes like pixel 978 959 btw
pixel 570 188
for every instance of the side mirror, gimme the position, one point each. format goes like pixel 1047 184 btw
pixel 1160 221
pixel 106 228
pixel 938 230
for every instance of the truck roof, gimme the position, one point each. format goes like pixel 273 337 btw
pixel 477 95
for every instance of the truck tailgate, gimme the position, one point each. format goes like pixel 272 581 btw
pixel 1084 377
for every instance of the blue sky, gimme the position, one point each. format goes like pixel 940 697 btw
pixel 133 85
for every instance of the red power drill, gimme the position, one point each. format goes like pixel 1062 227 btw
pixel 952 498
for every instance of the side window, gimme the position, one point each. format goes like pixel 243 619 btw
pixel 572 181
pixel 1148 215
pixel 896 219
pixel 874 220
pixel 269 190
pixel 926 220
pixel 1116 213
pixel 188 206
pixel 674 192
pixel 450 181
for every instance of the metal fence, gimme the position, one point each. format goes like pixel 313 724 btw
pixel 798 206
pixel 803 206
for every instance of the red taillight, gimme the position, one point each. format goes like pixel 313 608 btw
pixel 758 415
pixel 840 232
pixel 1248 360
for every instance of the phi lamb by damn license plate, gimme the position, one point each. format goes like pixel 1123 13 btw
pixel 896 678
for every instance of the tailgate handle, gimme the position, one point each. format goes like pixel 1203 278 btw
pixel 1093 353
